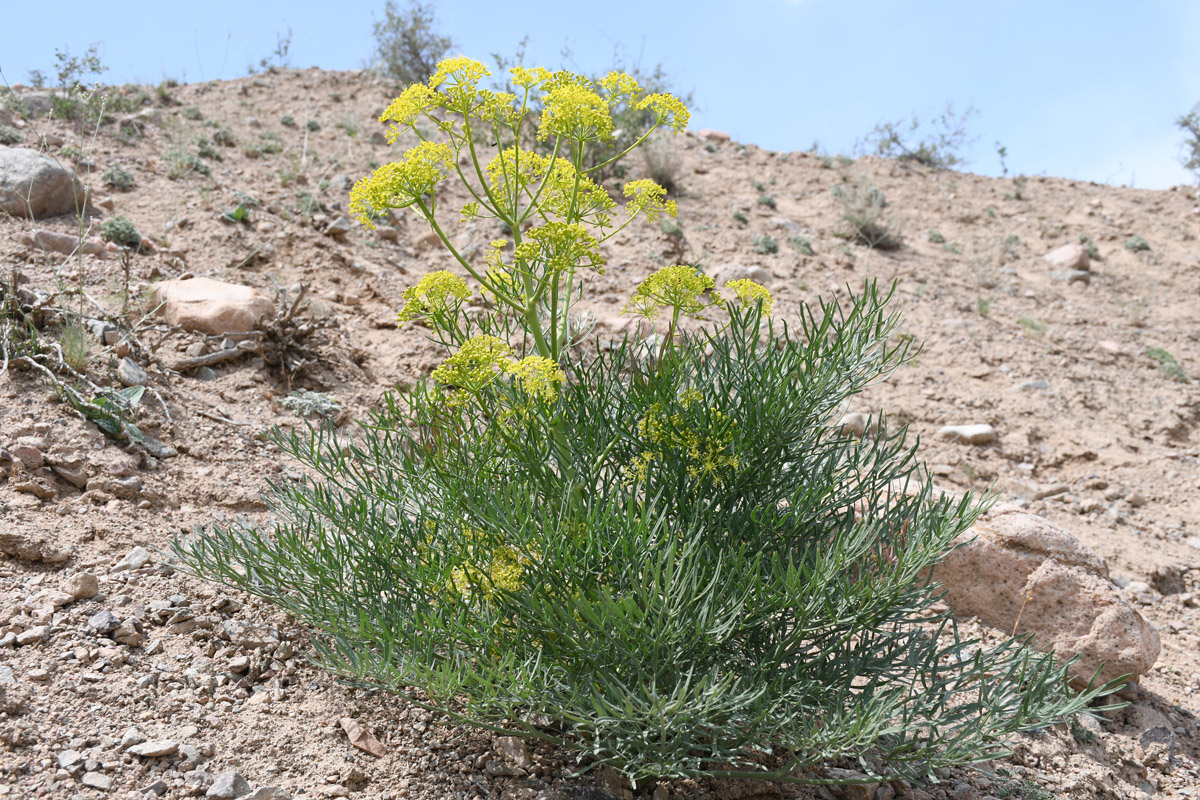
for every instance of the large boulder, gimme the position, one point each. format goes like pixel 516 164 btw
pixel 35 185
pixel 1024 573
pixel 213 307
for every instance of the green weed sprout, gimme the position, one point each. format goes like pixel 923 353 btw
pixel 659 555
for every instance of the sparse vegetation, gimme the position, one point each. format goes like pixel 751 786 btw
pixel 312 125
pixel 1090 246
pixel 1032 325
pixel 663 162
pixel 1136 244
pixel 311 404
pixel 407 46
pixel 120 231
pixel 287 121
pixel 1189 123
pixel 10 135
pixel 75 340
pixel 740 216
pixel 936 238
pixel 863 211
pixel 192 113
pixel 1168 365
pixel 765 245
pixel 767 201
pixel 117 177
pixel 935 143
pixel 801 245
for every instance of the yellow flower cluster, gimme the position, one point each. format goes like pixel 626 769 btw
pixel 458 71
pixel 710 452
pixel 749 292
pixel 479 361
pixel 530 78
pixel 437 294
pixel 679 287
pixel 540 377
pixel 619 84
pixel 516 171
pixel 414 101
pixel 647 197
pixel 560 246
pixel 668 110
pixel 504 573
pixel 401 183
pixel 575 112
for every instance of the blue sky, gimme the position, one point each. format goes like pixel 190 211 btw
pixel 1086 90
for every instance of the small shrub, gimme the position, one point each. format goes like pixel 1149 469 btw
pixel 313 125
pixel 863 211
pixel 936 238
pixel 287 121
pixel 1010 248
pixel 1018 188
pixel 223 135
pixel 204 149
pixel 1032 325
pixel 664 555
pixel 1090 246
pixel 663 162
pixel 10 135
pixel 1136 244
pixel 348 123
pixel 76 342
pixel 765 245
pixel 70 152
pixel 767 201
pixel 1189 123
pixel 270 143
pixel 117 177
pixel 934 144
pixel 181 161
pixel 192 113
pixel 1168 365
pixel 120 231
pixel 801 245
pixel 739 216
pixel 407 48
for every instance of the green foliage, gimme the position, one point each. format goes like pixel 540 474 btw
pixel 407 48
pixel 766 200
pixel 71 152
pixel 76 343
pixel 287 121
pixel 936 238
pixel 1136 244
pixel 349 123
pixel 1189 123
pixel 765 245
pixel 1090 246
pixel 312 125
pixel 1032 325
pixel 1168 365
pixel 935 143
pixel 192 113
pixel 120 231
pixel 863 212
pixel 739 216
pixel 112 412
pixel 237 214
pixel 10 135
pixel 801 245
pixel 180 161
pixel 657 555
pixel 117 177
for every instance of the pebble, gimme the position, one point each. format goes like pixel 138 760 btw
pixel 82 585
pixel 339 228
pixel 155 748
pixel 38 674
pixel 514 751
pixel 1029 386
pixel 104 621
pixel 69 758
pixel 138 557
pixel 270 793
pixel 131 737
pixel 97 781
pixel 130 374
pixel 969 434
pixel 37 633
pixel 227 786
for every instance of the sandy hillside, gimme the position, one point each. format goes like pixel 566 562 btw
pixel 1093 433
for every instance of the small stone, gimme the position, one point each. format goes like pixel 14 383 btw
pixel 388 233
pixel 130 632
pixel 1075 275
pixel 158 788
pixel 361 738
pixel 103 622
pixel 498 769
pixel 1030 386
pixel 137 558
pixel 38 674
pixel 270 793
pixel 1135 499
pixel 38 633
pixel 514 750
pixel 31 457
pixel 339 228
pixel 969 434
pixel 130 374
pixel 131 737
pixel 97 781
pixel 239 664
pixel 82 585
pixel 853 424
pixel 155 748
pixel 227 786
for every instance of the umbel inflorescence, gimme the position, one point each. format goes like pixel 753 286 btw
pixel 660 558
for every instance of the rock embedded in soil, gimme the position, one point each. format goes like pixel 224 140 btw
pixel 130 374
pixel 213 307
pixel 1016 570
pixel 969 434
pixel 1069 257
pixel 155 748
pixel 137 558
pixel 361 738
pixel 35 185
pixel 82 586
pixel 97 780
pixel 228 786
pixel 269 793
